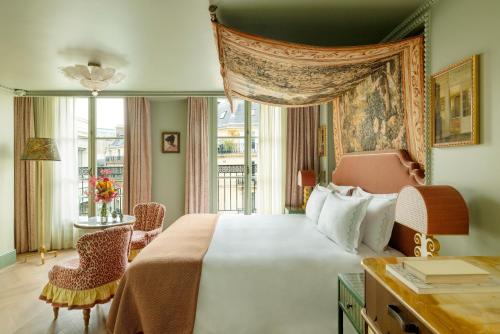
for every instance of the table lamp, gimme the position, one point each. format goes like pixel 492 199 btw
pixel 41 149
pixel 432 210
pixel 306 179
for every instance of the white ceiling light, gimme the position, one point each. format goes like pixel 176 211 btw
pixel 93 76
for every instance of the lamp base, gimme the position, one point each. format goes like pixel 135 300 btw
pixel 41 252
pixel 426 245
pixel 307 194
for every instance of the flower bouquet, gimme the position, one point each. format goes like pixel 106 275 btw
pixel 105 190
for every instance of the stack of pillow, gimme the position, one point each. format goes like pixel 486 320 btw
pixel 350 216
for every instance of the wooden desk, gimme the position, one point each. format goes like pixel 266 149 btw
pixel 434 313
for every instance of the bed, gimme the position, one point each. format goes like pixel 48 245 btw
pixel 253 274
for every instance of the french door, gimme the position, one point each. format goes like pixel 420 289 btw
pixel 236 159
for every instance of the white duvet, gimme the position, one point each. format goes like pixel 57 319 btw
pixel 271 274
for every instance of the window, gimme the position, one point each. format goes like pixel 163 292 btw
pixel 82 127
pixel 237 149
pixel 101 135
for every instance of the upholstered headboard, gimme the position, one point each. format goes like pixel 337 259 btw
pixel 382 172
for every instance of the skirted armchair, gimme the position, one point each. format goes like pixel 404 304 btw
pixel 92 278
pixel 147 226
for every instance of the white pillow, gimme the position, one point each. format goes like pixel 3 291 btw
pixel 341 218
pixel 315 202
pixel 360 192
pixel 343 190
pixel 377 225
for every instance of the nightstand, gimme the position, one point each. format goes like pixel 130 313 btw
pixel 351 294
pixel 392 307
pixel 294 210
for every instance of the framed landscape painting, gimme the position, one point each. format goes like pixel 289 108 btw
pixel 454 104
pixel 171 142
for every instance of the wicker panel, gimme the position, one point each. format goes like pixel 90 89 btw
pixel 411 210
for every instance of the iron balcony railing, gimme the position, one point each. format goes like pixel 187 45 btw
pixel 231 188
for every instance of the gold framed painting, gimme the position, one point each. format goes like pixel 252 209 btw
pixel 454 104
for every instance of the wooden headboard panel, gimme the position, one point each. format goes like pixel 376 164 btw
pixel 382 172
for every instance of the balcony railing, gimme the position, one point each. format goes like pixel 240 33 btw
pixel 231 185
pixel 83 172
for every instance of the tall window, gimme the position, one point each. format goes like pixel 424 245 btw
pixel 237 151
pixel 82 127
pixel 101 134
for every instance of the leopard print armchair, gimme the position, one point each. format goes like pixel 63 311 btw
pixel 92 278
pixel 148 224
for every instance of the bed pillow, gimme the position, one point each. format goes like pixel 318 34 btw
pixel 315 202
pixel 341 217
pixel 377 225
pixel 360 192
pixel 343 190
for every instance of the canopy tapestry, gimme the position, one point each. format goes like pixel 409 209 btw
pixel 292 75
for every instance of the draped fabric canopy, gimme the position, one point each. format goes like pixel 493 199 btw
pixel 294 75
pixel 288 74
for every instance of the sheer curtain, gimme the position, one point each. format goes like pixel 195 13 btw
pixel 57 182
pixel 271 160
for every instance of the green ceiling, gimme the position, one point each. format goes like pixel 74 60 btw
pixel 320 22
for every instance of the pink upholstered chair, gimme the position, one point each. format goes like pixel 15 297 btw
pixel 92 278
pixel 148 224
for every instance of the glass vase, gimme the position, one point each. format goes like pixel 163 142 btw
pixel 104 212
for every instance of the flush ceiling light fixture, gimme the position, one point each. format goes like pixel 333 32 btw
pixel 93 76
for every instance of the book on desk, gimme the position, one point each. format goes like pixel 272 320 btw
pixel 443 276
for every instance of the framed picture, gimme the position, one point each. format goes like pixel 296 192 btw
pixel 170 142
pixel 454 104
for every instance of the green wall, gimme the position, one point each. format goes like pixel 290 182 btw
pixel 7 252
pixel 459 29
pixel 169 169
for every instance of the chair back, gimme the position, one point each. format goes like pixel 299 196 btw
pixel 104 254
pixel 148 216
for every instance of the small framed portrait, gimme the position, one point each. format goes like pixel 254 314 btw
pixel 171 142
pixel 454 104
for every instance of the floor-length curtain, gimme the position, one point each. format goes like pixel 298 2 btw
pixel 196 192
pixel 271 160
pixel 25 226
pixel 57 182
pixel 301 150
pixel 137 166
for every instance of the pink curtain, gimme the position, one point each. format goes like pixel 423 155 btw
pixel 24 177
pixel 196 194
pixel 137 165
pixel 301 149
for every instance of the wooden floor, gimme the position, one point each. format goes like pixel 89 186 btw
pixel 22 312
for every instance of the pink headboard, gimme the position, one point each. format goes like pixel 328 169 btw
pixel 382 172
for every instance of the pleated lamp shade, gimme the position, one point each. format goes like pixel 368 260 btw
pixel 41 149
pixel 432 210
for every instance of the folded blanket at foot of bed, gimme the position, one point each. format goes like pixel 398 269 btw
pixel 159 291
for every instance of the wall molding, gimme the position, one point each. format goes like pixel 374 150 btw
pixel 124 93
pixel 7 258
pixel 421 18
pixel 6 89
pixel 410 23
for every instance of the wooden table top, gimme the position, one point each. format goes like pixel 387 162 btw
pixel 446 313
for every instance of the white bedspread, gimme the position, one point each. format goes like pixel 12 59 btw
pixel 271 274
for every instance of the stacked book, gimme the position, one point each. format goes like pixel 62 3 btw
pixel 443 276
